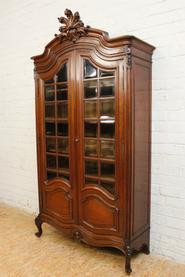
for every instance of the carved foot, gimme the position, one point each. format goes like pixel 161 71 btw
pixel 38 223
pixel 128 254
pixel 145 249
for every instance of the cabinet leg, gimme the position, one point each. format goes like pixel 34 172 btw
pixel 128 254
pixel 145 249
pixel 38 223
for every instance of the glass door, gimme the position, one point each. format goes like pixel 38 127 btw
pixel 99 127
pixel 59 189
pixel 57 126
pixel 98 206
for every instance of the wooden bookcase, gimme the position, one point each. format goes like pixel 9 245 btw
pixel 93 110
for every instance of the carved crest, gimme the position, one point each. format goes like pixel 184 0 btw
pixel 73 27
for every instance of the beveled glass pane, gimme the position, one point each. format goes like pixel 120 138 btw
pixel 90 147
pixel 106 73
pixel 62 129
pixel 107 149
pixel 51 161
pixel 50 129
pixel 91 129
pixel 64 175
pixel 49 81
pixel 108 186
pixel 62 110
pixel 62 74
pixel 50 145
pixel 51 175
pixel 63 163
pixel 49 93
pixel 90 71
pixel 91 168
pixel 89 181
pixel 62 92
pixel 90 108
pixel 107 108
pixel 49 110
pixel 107 129
pixel 90 88
pixel 107 169
pixel 63 146
pixel 107 87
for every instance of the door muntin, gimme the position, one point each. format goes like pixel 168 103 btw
pixel 57 126
pixel 59 191
pixel 99 127
pixel 98 132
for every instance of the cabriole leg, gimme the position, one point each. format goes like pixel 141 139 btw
pixel 128 254
pixel 38 223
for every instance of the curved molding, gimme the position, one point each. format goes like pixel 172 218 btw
pixel 56 183
pixel 91 190
pixel 96 41
pixel 87 236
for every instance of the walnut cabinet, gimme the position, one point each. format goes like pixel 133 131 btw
pixel 93 116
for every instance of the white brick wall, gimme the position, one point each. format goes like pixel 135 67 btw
pixel 25 28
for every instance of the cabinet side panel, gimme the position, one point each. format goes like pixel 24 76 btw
pixel 141 146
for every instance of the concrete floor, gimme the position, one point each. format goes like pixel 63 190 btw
pixel 22 254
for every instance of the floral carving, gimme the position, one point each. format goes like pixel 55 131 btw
pixel 73 27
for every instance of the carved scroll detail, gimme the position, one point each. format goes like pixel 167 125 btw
pixel 73 27
pixel 127 51
pixel 129 57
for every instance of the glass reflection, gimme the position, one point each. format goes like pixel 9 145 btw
pixel 49 93
pixel 51 161
pixel 50 145
pixel 63 146
pixel 51 175
pixel 90 147
pixel 107 169
pixel 107 149
pixel 62 92
pixel 50 129
pixel 107 108
pixel 107 129
pixel 62 129
pixel 89 70
pixel 90 89
pixel 91 129
pixel 106 73
pixel 63 163
pixel 62 110
pixel 49 110
pixel 62 74
pixel 90 109
pixel 91 168
pixel 106 87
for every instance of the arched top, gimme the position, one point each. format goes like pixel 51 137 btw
pixel 74 35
